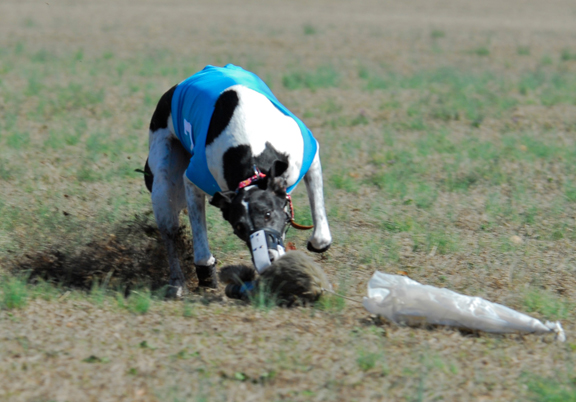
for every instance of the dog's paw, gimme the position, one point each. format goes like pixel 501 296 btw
pixel 310 247
pixel 176 291
pixel 211 284
pixel 207 277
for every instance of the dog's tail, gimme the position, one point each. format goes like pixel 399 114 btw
pixel 148 176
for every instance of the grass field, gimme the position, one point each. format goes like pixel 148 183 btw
pixel 448 142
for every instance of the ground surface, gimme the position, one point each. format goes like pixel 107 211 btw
pixel 448 141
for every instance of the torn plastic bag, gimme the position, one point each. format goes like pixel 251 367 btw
pixel 405 301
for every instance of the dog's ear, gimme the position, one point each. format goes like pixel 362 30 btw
pixel 276 182
pixel 223 200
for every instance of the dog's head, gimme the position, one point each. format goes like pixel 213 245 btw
pixel 260 208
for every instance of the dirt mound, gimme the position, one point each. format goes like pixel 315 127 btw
pixel 133 254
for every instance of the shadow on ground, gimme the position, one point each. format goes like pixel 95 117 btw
pixel 131 255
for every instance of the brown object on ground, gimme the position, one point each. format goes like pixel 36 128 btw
pixel 295 278
pixel 236 274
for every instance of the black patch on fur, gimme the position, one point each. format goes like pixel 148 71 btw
pixel 148 176
pixel 223 111
pixel 162 112
pixel 239 163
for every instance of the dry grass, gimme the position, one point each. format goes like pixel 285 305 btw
pixel 447 134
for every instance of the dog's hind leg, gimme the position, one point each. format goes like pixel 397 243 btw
pixel 148 177
pixel 167 161
pixel 204 261
pixel 321 239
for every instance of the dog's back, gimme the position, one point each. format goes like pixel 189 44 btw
pixel 230 121
pixel 253 132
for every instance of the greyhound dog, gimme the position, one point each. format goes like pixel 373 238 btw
pixel 222 133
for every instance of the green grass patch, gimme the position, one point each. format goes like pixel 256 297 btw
pixel 14 292
pixel 331 107
pixel 567 55
pixel 323 77
pixel 60 138
pixel 87 174
pixel 367 360
pixel 18 140
pixel 447 93
pixel 437 34
pixel 531 81
pixel 139 301
pixel 425 195
pixel 6 172
pixel 451 94
pixel 44 290
pixel 480 51
pixel 343 181
pixel 570 191
pixel 219 235
pixel 309 29
pixel 99 291
pixel 343 121
pixel 549 305
pixel 42 56
pixel 188 310
pixel 540 149
pixel 435 142
pixel 331 303
pixel 35 86
pixel 437 240
pixel 398 224
pixel 457 180
pixel 523 50
pixel 393 181
pixel 546 60
pixel 263 298
pixel 75 96
pixel 546 389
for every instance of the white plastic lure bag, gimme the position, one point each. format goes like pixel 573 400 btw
pixel 405 301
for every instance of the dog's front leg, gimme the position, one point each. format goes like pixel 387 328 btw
pixel 321 239
pixel 204 261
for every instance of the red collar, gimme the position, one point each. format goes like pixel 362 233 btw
pixel 251 180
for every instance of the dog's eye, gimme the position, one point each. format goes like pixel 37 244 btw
pixel 267 216
pixel 239 227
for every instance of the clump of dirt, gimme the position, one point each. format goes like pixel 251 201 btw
pixel 131 255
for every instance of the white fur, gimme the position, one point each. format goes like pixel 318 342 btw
pixel 257 121
pixel 321 237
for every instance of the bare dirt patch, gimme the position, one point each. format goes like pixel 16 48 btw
pixel 131 256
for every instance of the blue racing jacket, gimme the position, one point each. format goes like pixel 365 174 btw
pixel 192 107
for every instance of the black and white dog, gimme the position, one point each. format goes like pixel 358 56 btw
pixel 222 133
